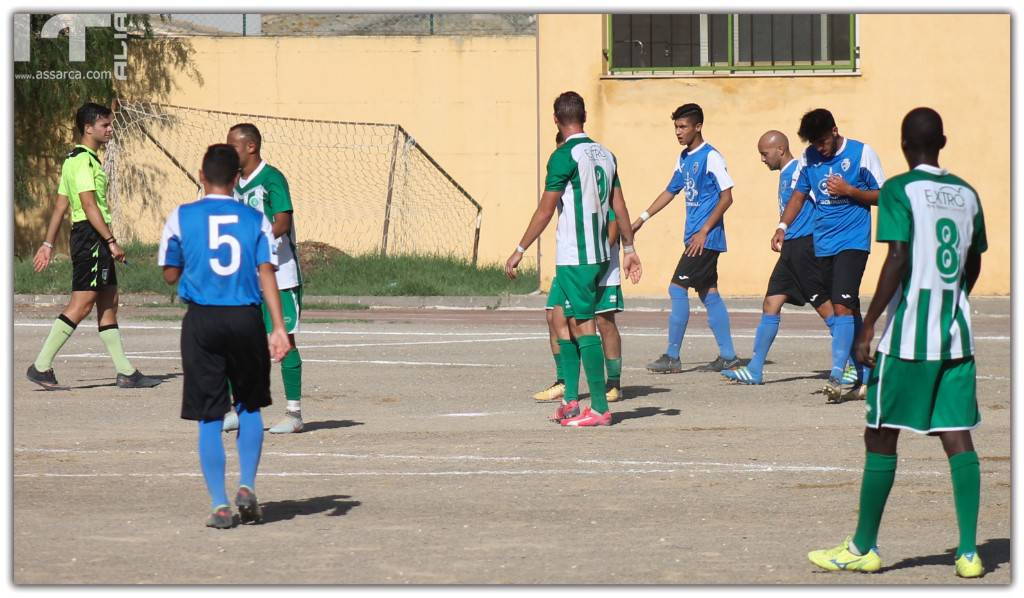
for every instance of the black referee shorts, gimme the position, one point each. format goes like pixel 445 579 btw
pixel 797 274
pixel 842 273
pixel 218 344
pixel 92 266
pixel 698 272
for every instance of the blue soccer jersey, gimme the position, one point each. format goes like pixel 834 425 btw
pixel 701 176
pixel 803 225
pixel 840 223
pixel 219 243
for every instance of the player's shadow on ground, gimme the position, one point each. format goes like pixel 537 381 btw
pixel 994 553
pixel 107 382
pixel 330 424
pixel 334 505
pixel 643 412
pixel 697 368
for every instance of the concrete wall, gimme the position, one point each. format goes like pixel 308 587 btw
pixel 957 64
pixel 470 102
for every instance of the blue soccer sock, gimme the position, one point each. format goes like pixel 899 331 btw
pixel 842 342
pixel 678 318
pixel 862 370
pixel 250 445
pixel 211 459
pixel 718 320
pixel 763 339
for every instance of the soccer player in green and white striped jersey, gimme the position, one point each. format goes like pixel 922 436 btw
pixel 582 184
pixel 923 374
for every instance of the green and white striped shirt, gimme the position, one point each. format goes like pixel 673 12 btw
pixel 584 172
pixel 939 215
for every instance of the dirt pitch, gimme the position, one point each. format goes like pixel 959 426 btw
pixel 426 461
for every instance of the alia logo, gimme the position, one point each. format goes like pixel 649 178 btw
pixel 75 25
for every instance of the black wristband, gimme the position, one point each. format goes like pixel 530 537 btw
pixel 110 240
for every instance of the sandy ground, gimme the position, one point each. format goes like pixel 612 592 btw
pixel 425 460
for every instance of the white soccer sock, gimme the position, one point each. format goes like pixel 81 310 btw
pixel 294 406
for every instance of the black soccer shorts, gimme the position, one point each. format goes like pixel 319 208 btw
pixel 92 266
pixel 218 344
pixel 842 273
pixel 699 272
pixel 797 274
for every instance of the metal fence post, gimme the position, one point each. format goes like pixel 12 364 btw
pixel 391 188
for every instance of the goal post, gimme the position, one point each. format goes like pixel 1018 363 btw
pixel 359 186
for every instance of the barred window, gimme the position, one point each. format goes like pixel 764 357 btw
pixel 670 43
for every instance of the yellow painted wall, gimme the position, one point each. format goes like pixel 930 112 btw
pixel 470 102
pixel 906 61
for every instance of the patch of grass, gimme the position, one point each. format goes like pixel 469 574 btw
pixel 333 307
pixel 327 274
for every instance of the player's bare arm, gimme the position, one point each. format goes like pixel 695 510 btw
pixel 796 203
pixel 92 212
pixel 699 238
pixel 278 339
pixel 45 252
pixel 172 274
pixel 838 186
pixel 663 199
pixel 893 272
pixel 630 261
pixel 972 269
pixel 541 217
pixel 282 224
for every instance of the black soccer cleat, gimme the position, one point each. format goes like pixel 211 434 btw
pixel 221 518
pixel 720 364
pixel 137 380
pixel 45 379
pixel 249 510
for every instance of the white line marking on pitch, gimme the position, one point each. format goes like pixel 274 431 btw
pixel 529 335
pixel 310 360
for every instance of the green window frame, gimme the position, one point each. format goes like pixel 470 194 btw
pixel 734 43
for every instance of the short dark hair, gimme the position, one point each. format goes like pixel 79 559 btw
pixel 922 130
pixel 88 114
pixel 569 108
pixel 249 131
pixel 816 124
pixel 220 164
pixel 690 111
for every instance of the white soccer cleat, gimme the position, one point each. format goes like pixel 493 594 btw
pixel 291 424
pixel 231 421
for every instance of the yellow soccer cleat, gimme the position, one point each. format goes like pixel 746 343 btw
pixel 857 393
pixel 612 394
pixel 841 559
pixel 969 565
pixel 555 392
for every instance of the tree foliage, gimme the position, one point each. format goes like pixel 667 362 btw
pixel 47 92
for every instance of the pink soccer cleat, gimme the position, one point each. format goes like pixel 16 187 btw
pixel 589 418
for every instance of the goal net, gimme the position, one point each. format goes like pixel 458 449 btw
pixel 360 187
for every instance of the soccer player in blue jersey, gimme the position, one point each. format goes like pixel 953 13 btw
pixel 842 177
pixel 221 254
pixel 701 175
pixel 796 278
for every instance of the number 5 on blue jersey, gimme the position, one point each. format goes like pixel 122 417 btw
pixel 219 244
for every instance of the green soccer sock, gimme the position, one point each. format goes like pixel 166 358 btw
pixel 60 332
pixel 879 474
pixel 111 337
pixel 569 355
pixel 614 368
pixel 291 375
pixel 966 474
pixel 558 367
pixel 592 356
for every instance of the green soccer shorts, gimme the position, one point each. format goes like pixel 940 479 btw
pixel 922 396
pixel 578 286
pixel 609 299
pixel 291 309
